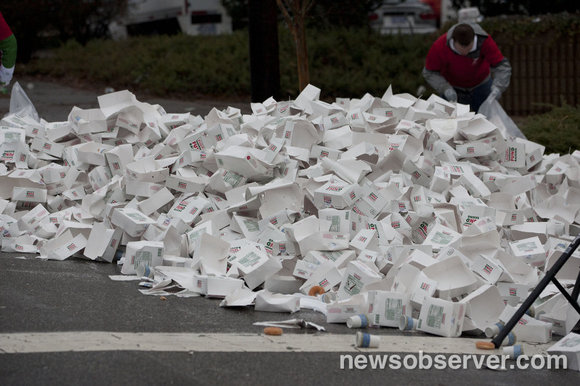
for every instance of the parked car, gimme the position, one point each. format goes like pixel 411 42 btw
pixel 192 17
pixel 406 16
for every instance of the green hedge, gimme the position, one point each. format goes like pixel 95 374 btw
pixel 342 63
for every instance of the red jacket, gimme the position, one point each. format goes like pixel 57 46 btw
pixel 463 71
pixel 4 29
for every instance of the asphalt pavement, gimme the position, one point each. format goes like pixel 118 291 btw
pixel 54 101
pixel 77 296
pixel 71 303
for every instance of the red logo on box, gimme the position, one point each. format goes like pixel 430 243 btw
pixel 197 145
pixel 488 268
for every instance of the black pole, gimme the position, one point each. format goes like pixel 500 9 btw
pixel 264 61
pixel 576 290
pixel 550 276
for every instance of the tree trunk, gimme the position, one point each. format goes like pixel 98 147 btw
pixel 301 54
pixel 295 11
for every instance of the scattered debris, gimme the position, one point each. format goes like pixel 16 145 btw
pixel 291 323
pixel 365 340
pixel 416 214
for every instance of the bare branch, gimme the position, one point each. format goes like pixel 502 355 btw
pixel 306 6
pixel 287 16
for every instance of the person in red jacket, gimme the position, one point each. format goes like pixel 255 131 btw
pixel 7 52
pixel 466 66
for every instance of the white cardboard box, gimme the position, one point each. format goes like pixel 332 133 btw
pixel 304 269
pixel 188 209
pixel 335 194
pixel 33 218
pixel 142 253
pixel 118 158
pixel 484 306
pixel 29 194
pixel 220 287
pixel 452 276
pixel 255 265
pixel 68 248
pixel 147 170
pixel 131 221
pixel 530 250
pixel 339 258
pixel 491 271
pixel 441 317
pixel 357 275
pixel 326 276
pixel 365 239
pixel 156 201
pixel 441 236
pixel 270 302
pixel 103 242
pixel 386 308
pixel 513 293
pixel 423 287
pixel 570 347
pixel 528 329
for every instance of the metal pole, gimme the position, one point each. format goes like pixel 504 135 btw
pixel 264 61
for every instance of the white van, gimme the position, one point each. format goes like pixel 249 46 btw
pixel 192 17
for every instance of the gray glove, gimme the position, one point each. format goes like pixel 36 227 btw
pixel 450 94
pixel 495 93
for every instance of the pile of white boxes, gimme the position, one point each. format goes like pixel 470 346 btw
pixel 394 206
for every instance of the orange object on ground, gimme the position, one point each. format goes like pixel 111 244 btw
pixel 485 345
pixel 273 331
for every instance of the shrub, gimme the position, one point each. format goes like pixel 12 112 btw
pixel 556 129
